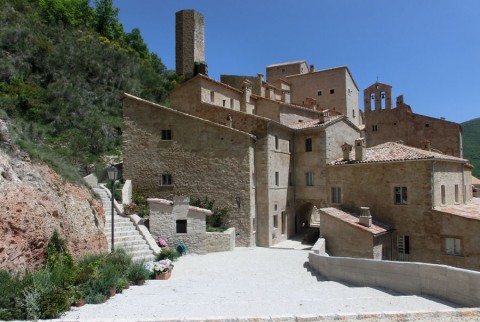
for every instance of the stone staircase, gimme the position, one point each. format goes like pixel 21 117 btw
pixel 126 235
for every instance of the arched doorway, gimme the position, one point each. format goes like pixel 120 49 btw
pixel 306 216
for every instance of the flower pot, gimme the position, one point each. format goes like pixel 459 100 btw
pixel 140 282
pixel 80 302
pixel 127 286
pixel 113 291
pixel 163 275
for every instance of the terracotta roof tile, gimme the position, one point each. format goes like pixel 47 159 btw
pixel 470 210
pixel 391 151
pixel 352 218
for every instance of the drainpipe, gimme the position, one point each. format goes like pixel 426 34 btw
pixel 256 190
pixel 433 183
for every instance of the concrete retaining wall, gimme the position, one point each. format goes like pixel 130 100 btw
pixel 221 242
pixel 444 282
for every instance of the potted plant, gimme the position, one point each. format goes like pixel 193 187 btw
pixel 163 269
pixel 162 243
pixel 137 273
pixel 168 253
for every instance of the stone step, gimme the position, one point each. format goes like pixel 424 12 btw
pixel 142 259
pixel 124 233
pixel 127 238
pixel 108 228
pixel 133 247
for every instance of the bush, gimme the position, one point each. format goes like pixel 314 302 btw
pixel 218 221
pixel 137 272
pixel 168 253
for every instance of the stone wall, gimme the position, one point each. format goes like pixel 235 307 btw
pixel 443 282
pixel 164 215
pixel 204 159
pixel 190 40
pixel 220 242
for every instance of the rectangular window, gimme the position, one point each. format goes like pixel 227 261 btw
pixel 212 96
pixel 453 246
pixel 464 194
pixel 309 178
pixel 275 207
pixel 319 93
pixel 181 226
pixel 276 142
pixel 332 91
pixel 456 193
pixel 308 145
pixel 275 221
pixel 374 128
pixel 166 135
pixel 277 178
pixel 336 195
pixel 224 102
pixel 400 195
pixel 442 188
pixel 166 179
pixel 231 103
pixel 353 113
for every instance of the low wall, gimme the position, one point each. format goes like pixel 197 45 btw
pixel 221 242
pixel 456 285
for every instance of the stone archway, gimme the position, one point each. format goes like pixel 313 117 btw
pixel 306 215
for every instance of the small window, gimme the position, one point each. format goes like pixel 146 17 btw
pixel 283 70
pixel 336 195
pixel 275 221
pixel 442 188
pixel 332 91
pixel 353 113
pixel 308 145
pixel 181 226
pixel 374 128
pixel 231 103
pixel 277 178
pixel 166 135
pixel 224 102
pixel 276 142
pixel 319 93
pixel 401 195
pixel 453 246
pixel 212 96
pixel 427 125
pixel 166 179
pixel 275 207
pixel 456 193
pixel 309 178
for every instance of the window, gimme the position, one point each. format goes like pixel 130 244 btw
pixel 275 207
pixel 276 142
pixel 224 102
pixel 453 246
pixel 427 125
pixel 277 178
pixel 166 135
pixel 308 145
pixel 336 195
pixel 181 226
pixel 442 188
pixel 374 128
pixel 309 178
pixel 212 96
pixel 456 193
pixel 319 93
pixel 166 179
pixel 400 195
pixel 231 103
pixel 332 91
pixel 353 113
pixel 290 179
pixel 275 221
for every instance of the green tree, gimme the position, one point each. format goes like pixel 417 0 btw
pixel 135 40
pixel 106 19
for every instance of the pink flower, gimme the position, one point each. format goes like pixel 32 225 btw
pixel 162 243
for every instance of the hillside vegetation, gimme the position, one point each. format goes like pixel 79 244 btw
pixel 63 68
pixel 471 144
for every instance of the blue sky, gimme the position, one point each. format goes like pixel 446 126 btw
pixel 428 50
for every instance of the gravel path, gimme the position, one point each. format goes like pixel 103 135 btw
pixel 262 284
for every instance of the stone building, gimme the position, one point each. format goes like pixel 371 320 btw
pixel 190 44
pixel 386 124
pixel 423 195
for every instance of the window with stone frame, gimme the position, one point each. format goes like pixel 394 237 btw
pixel 308 145
pixel 457 199
pixel 400 195
pixel 277 178
pixel 309 178
pixel 166 180
pixel 181 226
pixel 166 135
pixel 442 194
pixel 453 246
pixel 336 195
pixel 275 221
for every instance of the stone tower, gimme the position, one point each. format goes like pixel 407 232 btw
pixel 190 40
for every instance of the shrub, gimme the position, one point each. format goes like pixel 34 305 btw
pixel 219 219
pixel 57 252
pixel 168 253
pixel 136 272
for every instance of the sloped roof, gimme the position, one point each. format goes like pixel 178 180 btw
pixel 314 123
pixel 392 151
pixel 471 210
pixel 377 228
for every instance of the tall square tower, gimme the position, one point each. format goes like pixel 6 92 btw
pixel 190 40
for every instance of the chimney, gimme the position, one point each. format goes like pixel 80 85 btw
pixel 365 218
pixel 260 76
pixel 399 100
pixel 427 145
pixel 346 148
pixel 360 149
pixel 247 92
pixel 312 68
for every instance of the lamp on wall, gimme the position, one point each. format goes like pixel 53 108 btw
pixel 112 176
pixel 237 199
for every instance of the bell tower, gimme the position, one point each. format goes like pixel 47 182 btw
pixel 189 41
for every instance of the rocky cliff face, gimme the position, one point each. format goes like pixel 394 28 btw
pixel 34 201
